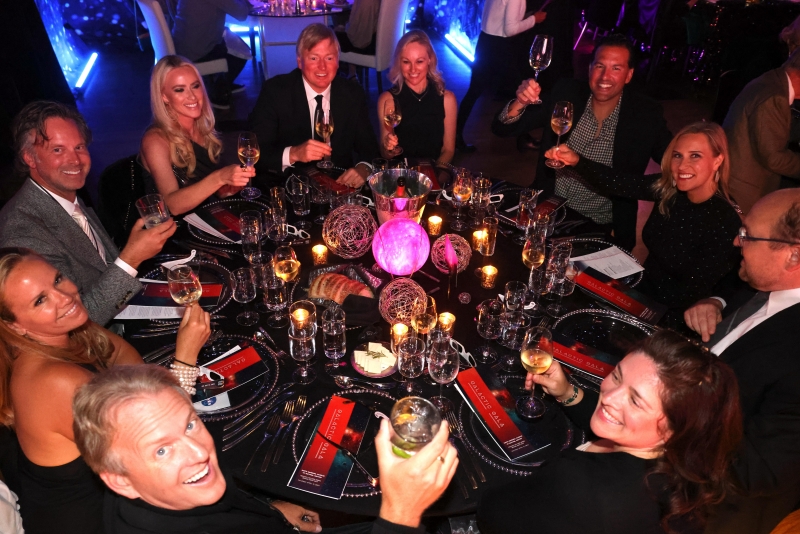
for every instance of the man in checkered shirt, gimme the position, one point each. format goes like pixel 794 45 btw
pixel 612 125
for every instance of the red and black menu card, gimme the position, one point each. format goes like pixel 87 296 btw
pixel 323 468
pixel 580 356
pixel 157 294
pixel 222 220
pixel 237 369
pixel 619 295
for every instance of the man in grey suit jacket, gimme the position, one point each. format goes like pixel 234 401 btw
pixel 757 126
pixel 45 215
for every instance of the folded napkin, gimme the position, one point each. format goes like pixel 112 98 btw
pixel 360 311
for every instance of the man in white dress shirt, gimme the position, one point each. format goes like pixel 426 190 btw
pixel 46 215
pixel 760 340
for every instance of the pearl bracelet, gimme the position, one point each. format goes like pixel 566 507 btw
pixel 187 376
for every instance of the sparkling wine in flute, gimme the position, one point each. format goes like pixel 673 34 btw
pixel 249 152
pixel 287 270
pixel 536 361
pixel 393 119
pixel 392 116
pixel 533 259
pixel 323 124
pixel 324 130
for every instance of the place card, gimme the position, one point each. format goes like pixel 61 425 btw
pixel 323 182
pixel 619 295
pixel 155 301
pixel 217 221
pixel 323 469
pixel 495 408
pixel 237 368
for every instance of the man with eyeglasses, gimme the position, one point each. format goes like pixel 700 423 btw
pixel 760 340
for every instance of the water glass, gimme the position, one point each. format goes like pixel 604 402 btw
pixel 415 421
pixel 276 300
pixel 515 295
pixel 302 347
pixel 153 210
pixel 443 363
pixel 334 342
pixel 244 291
pixel 299 193
pixel 481 190
pixel 251 231
pixel 490 313
pixel 411 362
pixel 513 326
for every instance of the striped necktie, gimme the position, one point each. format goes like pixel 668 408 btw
pixel 79 217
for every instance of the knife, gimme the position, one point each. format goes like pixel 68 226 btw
pixel 190 246
pixel 373 481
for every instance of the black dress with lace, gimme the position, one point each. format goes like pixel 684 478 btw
pixel 690 250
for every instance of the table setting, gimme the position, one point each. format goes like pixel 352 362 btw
pixel 430 295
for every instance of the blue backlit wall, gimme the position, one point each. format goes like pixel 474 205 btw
pixel 458 20
pixel 68 51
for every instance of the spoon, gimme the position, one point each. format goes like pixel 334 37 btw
pixel 347 382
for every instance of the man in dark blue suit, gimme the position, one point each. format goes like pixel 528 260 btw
pixel 284 113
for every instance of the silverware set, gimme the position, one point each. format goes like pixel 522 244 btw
pixel 239 429
pixel 346 382
pixel 297 413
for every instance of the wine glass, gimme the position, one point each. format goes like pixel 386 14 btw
pixel 275 300
pixel 540 56
pixel 481 191
pixel 462 191
pixel 299 193
pixel 411 362
pixel 184 286
pixel 537 356
pixel 392 116
pixel 244 291
pixel 250 228
pixel 513 328
pixel 323 124
pixel 423 315
pixel 277 229
pixel 443 362
pixel 528 199
pixel 248 155
pixel 334 342
pixel 560 122
pixel 302 346
pixel 286 265
pixel 515 295
pixel 490 313
pixel 563 288
pixel 533 254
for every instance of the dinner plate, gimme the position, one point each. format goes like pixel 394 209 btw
pixel 243 397
pixel 610 332
pixel 208 273
pixel 587 245
pixel 235 205
pixel 357 485
pixel 553 425
pixel 388 372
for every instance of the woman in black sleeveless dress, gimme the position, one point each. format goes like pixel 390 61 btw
pixel 428 125
pixel 180 150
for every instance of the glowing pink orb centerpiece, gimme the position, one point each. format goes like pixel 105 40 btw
pixel 401 246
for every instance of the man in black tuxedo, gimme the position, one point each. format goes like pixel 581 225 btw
pixel 760 340
pixel 612 125
pixel 284 113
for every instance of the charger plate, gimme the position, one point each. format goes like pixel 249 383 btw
pixel 235 205
pixel 208 273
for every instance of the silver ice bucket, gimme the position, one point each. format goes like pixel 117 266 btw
pixel 384 185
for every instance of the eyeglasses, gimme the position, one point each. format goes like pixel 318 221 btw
pixel 744 237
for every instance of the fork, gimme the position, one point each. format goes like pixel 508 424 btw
pixel 270 407
pixel 457 431
pixel 272 426
pixel 467 472
pixel 286 418
pixel 279 352
pixel 299 409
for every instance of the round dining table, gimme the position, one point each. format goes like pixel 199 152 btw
pixel 460 295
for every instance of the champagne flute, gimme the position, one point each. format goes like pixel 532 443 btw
pixel 323 124
pixel 392 116
pixel 244 291
pixel 540 56
pixel 537 356
pixel 184 286
pixel 276 300
pixel 423 315
pixel 481 193
pixel 249 152
pixel 250 228
pixel 286 265
pixel 302 347
pixel 443 362
pixel 462 191
pixel 490 313
pixel 533 255
pixel 561 122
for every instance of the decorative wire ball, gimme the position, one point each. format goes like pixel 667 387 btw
pixel 396 302
pixel 460 245
pixel 348 231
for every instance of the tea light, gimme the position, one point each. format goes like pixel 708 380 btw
pixel 399 332
pixel 434 225
pixel 478 239
pixel 446 321
pixel 488 276
pixel 320 254
pixel 313 4
pixel 299 318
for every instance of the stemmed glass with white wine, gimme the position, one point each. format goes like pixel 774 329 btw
pixel 392 116
pixel 423 315
pixel 323 124
pixel 537 356
pixel 540 56
pixel 249 152
pixel 286 265
pixel 184 286
pixel 560 122
pixel 462 191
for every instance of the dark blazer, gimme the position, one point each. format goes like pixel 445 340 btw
pixel 281 118
pixel 767 366
pixel 33 219
pixel 641 134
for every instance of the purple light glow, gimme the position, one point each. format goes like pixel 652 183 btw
pixel 401 246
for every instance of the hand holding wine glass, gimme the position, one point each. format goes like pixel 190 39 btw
pixel 561 122
pixel 537 356
pixel 249 153
pixel 184 286
pixel 323 124
pixel 392 116
pixel 540 56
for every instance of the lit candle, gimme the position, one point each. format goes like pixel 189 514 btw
pixel 434 225
pixel 489 275
pixel 313 4
pixel 399 332
pixel 446 321
pixel 299 318
pixel 320 254
pixel 478 239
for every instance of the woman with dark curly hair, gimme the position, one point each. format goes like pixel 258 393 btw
pixel 666 423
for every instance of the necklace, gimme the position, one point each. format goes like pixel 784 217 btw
pixel 422 95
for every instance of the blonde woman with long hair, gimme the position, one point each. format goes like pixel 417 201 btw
pixel 181 149
pixel 690 232
pixel 428 125
pixel 48 349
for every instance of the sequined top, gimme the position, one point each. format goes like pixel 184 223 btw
pixel 690 250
